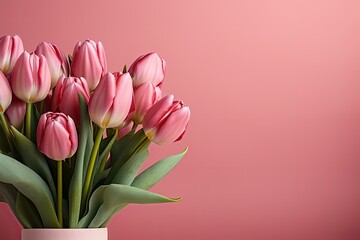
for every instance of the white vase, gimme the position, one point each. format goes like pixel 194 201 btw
pixel 64 234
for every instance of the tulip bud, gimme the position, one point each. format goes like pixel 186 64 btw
pixel 10 50
pixel 56 136
pixel 110 103
pixel 89 61
pixel 16 113
pixel 166 121
pixel 5 93
pixel 56 59
pixel 145 96
pixel 149 68
pixel 66 97
pixel 31 79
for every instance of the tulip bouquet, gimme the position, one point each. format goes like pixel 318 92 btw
pixel 74 136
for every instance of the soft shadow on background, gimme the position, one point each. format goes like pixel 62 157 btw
pixel 274 91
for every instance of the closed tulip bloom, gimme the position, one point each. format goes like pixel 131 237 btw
pixel 16 113
pixel 66 99
pixel 149 68
pixel 89 61
pixel 56 59
pixel 56 136
pixel 110 103
pixel 5 93
pixel 10 50
pixel 31 79
pixel 145 96
pixel 166 121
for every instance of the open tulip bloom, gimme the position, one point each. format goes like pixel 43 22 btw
pixel 71 142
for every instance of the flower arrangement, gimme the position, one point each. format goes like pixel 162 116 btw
pixel 74 136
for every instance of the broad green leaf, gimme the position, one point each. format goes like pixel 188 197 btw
pixel 33 158
pixel 32 186
pixel 124 149
pixel 8 195
pixel 158 171
pixel 128 171
pixel 75 189
pixel 115 195
pixel 27 212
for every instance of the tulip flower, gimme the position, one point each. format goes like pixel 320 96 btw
pixel 56 59
pixel 31 79
pixel 166 121
pixel 16 113
pixel 110 103
pixel 149 68
pixel 10 50
pixel 89 61
pixel 145 96
pixel 66 97
pixel 5 93
pixel 56 136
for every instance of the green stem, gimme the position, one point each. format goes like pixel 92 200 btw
pixel 134 127
pixel 9 137
pixel 59 193
pixel 90 170
pixel 28 121
pixel 107 151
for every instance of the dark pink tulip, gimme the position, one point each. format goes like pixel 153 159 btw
pixel 5 93
pixel 89 61
pixel 166 121
pixel 149 68
pixel 56 136
pixel 10 50
pixel 110 103
pixel 31 79
pixel 16 113
pixel 56 59
pixel 66 99
pixel 145 96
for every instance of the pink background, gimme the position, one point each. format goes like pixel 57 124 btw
pixel 274 92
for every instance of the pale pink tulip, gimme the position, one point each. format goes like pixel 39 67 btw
pixel 56 59
pixel 5 93
pixel 16 113
pixel 89 61
pixel 56 136
pixel 166 121
pixel 145 96
pixel 149 68
pixel 31 79
pixel 66 97
pixel 110 103
pixel 10 50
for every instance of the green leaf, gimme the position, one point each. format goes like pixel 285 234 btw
pixel 75 189
pixel 158 171
pixel 33 158
pixel 128 171
pixel 8 195
pixel 32 186
pixel 4 144
pixel 116 195
pixel 27 212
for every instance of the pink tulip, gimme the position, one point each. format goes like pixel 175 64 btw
pixel 166 121
pixel 89 61
pixel 145 96
pixel 10 50
pixel 125 130
pixel 56 136
pixel 56 59
pixel 31 79
pixel 110 103
pixel 149 68
pixel 16 113
pixel 66 97
pixel 5 93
